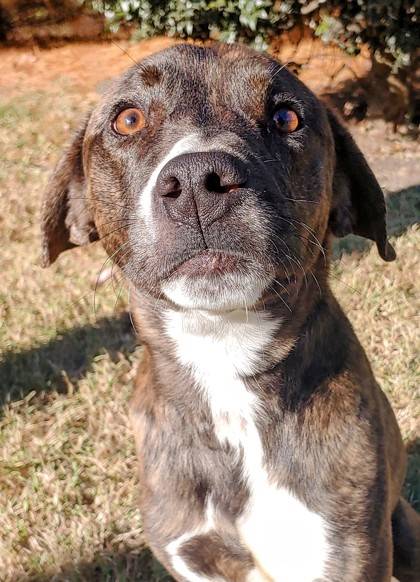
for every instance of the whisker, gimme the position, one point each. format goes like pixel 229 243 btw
pixel 316 241
pixel 303 239
pixel 126 53
pixel 285 289
pixel 278 71
pixel 301 200
pixel 158 299
pixel 257 315
pixel 316 281
pixel 114 220
pixel 122 281
pixel 100 272
pixel 246 308
pixel 130 315
pixel 103 201
pixel 293 258
pixel 281 298
pixel 112 232
pixel 337 278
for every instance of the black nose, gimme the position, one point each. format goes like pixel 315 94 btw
pixel 201 187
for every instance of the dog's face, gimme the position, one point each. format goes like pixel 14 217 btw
pixel 211 175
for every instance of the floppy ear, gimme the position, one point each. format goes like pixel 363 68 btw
pixel 358 204
pixel 66 220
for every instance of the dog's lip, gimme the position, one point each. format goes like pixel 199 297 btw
pixel 208 262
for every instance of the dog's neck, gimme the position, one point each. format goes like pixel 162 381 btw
pixel 224 346
pixel 190 348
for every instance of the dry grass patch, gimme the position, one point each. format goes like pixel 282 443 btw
pixel 68 508
pixel 67 464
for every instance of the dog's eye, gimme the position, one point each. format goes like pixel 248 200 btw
pixel 286 120
pixel 129 121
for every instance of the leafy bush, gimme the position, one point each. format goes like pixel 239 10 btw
pixel 391 27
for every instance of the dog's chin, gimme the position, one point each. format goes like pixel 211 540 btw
pixel 221 293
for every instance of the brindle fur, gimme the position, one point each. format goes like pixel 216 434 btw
pixel 328 431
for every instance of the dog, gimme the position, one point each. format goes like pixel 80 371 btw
pixel 216 181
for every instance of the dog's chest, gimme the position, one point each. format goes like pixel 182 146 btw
pixel 286 539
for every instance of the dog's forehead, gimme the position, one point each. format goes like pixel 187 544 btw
pixel 210 65
pixel 233 76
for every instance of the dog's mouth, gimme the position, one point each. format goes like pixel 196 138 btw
pixel 215 280
pixel 208 263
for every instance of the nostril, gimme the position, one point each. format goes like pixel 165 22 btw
pixel 171 187
pixel 213 183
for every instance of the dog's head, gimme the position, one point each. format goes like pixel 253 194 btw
pixel 208 174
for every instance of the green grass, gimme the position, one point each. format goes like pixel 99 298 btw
pixel 68 504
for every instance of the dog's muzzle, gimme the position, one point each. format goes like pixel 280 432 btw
pixel 198 188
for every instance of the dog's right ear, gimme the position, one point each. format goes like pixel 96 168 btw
pixel 66 219
pixel 358 201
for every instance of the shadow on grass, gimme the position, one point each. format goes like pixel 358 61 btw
pixel 70 353
pixel 403 211
pixel 110 567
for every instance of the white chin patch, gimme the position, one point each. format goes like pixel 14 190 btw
pixel 224 293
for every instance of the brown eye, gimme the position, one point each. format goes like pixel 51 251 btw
pixel 286 120
pixel 129 121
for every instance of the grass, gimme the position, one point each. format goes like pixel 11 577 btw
pixel 68 504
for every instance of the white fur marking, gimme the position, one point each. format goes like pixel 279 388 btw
pixel 178 563
pixel 257 576
pixel 185 145
pixel 227 292
pixel 286 539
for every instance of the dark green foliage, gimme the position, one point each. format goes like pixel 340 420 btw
pixel 388 26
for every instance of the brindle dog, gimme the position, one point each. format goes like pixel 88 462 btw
pixel 216 180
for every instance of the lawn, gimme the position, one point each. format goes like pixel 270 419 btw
pixel 68 502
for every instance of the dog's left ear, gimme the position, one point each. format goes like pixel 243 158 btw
pixel 358 204
pixel 66 219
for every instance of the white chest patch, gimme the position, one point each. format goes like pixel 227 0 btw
pixel 287 540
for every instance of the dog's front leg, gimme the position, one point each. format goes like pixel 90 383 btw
pixel 209 557
pixel 372 563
